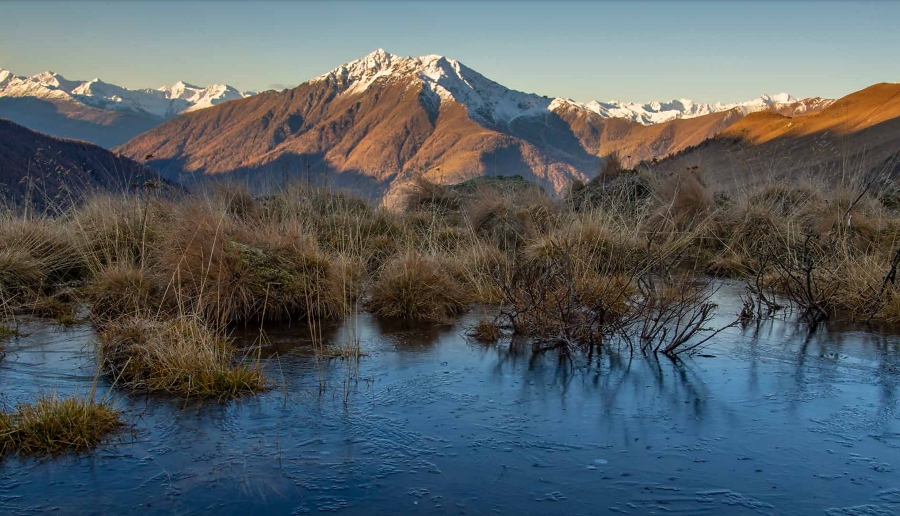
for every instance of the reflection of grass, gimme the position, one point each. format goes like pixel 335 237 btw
pixel 55 425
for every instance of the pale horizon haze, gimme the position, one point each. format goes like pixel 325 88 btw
pixel 637 51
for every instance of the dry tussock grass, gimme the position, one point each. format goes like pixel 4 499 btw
pixel 54 425
pixel 182 356
pixel 416 286
pixel 579 263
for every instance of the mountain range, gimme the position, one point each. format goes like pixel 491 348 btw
pixel 97 111
pixel 375 122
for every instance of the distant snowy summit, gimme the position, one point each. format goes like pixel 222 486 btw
pixel 660 112
pixel 164 102
pixel 448 79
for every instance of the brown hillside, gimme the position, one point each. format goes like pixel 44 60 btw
pixel 47 171
pixel 389 131
pixel 850 114
pixel 856 135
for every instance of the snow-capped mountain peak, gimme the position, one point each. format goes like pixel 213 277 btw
pixel 448 79
pixel 164 102
pixel 444 79
pixel 5 76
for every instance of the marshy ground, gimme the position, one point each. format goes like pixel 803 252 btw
pixel 313 352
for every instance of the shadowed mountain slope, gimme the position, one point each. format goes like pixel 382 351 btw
pixel 51 172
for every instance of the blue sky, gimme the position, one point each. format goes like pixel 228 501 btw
pixel 635 51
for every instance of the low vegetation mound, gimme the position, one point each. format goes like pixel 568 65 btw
pixel 54 425
pixel 416 286
pixel 181 356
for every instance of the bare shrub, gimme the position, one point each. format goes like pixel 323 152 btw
pixel 674 314
pixel 562 302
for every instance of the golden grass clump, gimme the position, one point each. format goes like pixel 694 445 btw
pixel 486 330
pixel 235 199
pixel 783 198
pixel 122 289
pixel 344 284
pixel 55 425
pixel 601 242
pixel 116 229
pixel 371 235
pixel 20 273
pixel 507 220
pixel 684 202
pixel 423 195
pixel 234 273
pixel 745 236
pixel 480 268
pixel 613 292
pixel 56 307
pixel 416 286
pixel 35 256
pixel 182 356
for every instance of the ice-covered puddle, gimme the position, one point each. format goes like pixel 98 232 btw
pixel 771 420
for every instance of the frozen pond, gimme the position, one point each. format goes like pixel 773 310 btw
pixel 770 420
